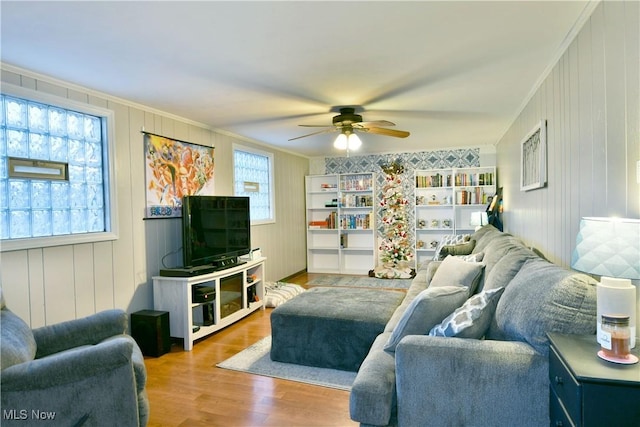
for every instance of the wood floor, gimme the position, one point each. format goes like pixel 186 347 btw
pixel 186 388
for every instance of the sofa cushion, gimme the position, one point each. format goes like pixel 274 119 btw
pixel 455 271
pixel 464 248
pixel 450 239
pixel 472 257
pixel 472 319
pixel 426 310
pixel 506 269
pixel 544 298
pixel 17 344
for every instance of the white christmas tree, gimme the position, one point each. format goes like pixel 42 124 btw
pixel 395 248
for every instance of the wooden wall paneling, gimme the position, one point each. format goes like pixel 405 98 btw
pixel 143 292
pixel 138 199
pixel 615 109
pixel 35 286
pixel 103 267
pixel 552 176
pixel 557 163
pixel 93 277
pixel 15 283
pixel 123 254
pixel 566 147
pixel 83 274
pixel 598 106
pixel 585 100
pixel 576 186
pixel 632 85
pixel 59 287
pixel 52 88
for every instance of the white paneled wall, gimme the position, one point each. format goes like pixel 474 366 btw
pixel 49 285
pixel 591 101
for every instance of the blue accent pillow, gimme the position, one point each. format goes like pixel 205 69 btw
pixel 472 319
pixel 427 309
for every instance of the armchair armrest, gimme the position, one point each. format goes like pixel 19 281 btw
pixel 93 385
pixel 68 367
pixel 470 382
pixel 89 330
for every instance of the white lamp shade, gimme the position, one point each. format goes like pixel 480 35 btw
pixel 354 142
pixel 479 218
pixel 610 248
pixel 341 142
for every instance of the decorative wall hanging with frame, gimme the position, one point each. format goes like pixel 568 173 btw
pixel 174 169
pixel 533 158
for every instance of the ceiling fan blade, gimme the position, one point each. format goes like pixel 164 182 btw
pixel 315 126
pixel 374 123
pixel 314 133
pixel 387 132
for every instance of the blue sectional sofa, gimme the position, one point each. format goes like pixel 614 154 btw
pixel 493 371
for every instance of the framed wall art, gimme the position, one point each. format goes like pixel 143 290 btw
pixel 174 169
pixel 533 158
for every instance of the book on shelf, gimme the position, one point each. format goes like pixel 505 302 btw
pixel 344 240
pixel 356 221
pixel 473 179
pixel 356 183
pixel 356 201
pixel 476 196
pixel 318 224
pixel 328 187
pixel 437 180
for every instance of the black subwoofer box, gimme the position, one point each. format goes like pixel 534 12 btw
pixel 150 329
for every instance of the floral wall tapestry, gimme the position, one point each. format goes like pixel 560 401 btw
pixel 174 169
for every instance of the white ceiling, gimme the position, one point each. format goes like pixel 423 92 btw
pixel 453 73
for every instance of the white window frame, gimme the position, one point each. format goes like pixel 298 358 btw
pixel 272 206
pixel 111 218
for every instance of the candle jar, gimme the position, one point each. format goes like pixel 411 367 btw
pixel 615 336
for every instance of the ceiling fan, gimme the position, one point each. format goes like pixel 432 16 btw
pixel 348 123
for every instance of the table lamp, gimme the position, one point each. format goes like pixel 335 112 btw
pixel 610 248
pixel 479 219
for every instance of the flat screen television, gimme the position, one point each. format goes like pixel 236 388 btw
pixel 216 230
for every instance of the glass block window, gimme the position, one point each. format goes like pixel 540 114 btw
pixel 253 177
pixel 37 206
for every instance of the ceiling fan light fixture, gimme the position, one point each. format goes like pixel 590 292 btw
pixel 341 142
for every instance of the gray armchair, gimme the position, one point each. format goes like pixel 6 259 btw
pixel 84 372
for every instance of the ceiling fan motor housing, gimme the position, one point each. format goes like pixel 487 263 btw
pixel 347 116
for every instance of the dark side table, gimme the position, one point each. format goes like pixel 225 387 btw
pixel 585 390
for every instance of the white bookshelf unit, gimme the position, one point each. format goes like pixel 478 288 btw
pixel 340 223
pixel 232 302
pixel 445 199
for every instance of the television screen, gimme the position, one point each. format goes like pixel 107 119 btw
pixel 215 229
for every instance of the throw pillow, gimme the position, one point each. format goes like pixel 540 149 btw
pixel 427 309
pixel 451 239
pixel 458 249
pixel 472 319
pixel 543 298
pixel 456 272
pixel 278 293
pixel 472 257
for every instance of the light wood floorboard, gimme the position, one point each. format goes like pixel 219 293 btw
pixel 186 388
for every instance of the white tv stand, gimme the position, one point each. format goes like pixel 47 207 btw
pixel 174 294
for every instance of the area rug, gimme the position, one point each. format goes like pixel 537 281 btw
pixel 255 360
pixel 358 281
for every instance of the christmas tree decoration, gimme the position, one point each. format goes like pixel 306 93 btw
pixel 395 248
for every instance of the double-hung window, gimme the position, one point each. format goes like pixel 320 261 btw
pixel 253 177
pixel 56 178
